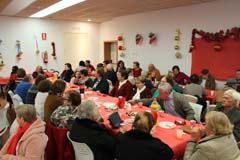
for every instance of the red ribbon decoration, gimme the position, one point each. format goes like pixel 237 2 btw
pixel 54 50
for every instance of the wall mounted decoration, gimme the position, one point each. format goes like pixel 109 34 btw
pixel 152 38
pixel 1 58
pixel 121 46
pixel 177 38
pixel 45 57
pixel 37 48
pixel 54 50
pixel 138 39
pixel 19 50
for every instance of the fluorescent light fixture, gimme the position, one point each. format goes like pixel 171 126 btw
pixel 89 20
pixel 56 7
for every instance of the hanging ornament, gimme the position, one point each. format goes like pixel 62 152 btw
pixel 152 38
pixel 120 38
pixel 19 51
pixel 121 46
pixel 45 57
pixel 177 38
pixel 37 49
pixel 1 58
pixel 138 39
pixel 54 51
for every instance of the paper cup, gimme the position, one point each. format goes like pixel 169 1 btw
pixel 179 133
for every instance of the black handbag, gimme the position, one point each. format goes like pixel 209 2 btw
pixel 115 120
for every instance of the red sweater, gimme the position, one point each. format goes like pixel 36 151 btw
pixel 125 90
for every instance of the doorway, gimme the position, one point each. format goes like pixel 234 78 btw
pixel 111 51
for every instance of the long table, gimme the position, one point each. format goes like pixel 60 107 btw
pixel 168 136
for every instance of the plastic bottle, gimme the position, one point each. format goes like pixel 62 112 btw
pixel 155 105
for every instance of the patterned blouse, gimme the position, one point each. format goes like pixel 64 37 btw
pixel 65 114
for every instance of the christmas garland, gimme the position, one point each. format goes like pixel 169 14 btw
pixel 218 37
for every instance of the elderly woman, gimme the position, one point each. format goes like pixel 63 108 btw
pixel 64 115
pixel 219 142
pixel 88 129
pixel 76 78
pixel 153 73
pixel 111 74
pixel 100 83
pixel 30 140
pixel 141 91
pixel 229 106
pixel 54 99
pixel 140 143
pixel 85 79
pixel 67 73
pixel 39 70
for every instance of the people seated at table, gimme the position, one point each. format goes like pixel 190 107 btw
pixel 43 89
pixel 89 66
pixel 23 86
pixel 21 73
pixel 168 78
pixel 219 142
pixel 229 106
pixel 123 87
pixel 173 103
pixel 13 75
pixel 111 74
pixel 54 99
pixel 120 66
pixel 105 63
pixel 100 83
pixel 153 73
pixel 32 92
pixel 141 91
pixel 87 128
pixel 180 77
pixel 81 66
pixel 139 144
pixel 67 73
pixel 207 80
pixel 136 70
pixel 76 78
pixel 194 88
pixel 39 70
pixel 30 140
pixel 85 79
pixel 64 116
pixel 231 83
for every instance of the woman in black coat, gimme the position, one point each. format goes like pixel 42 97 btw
pixel 67 73
pixel 139 144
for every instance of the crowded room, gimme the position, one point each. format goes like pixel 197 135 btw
pixel 119 80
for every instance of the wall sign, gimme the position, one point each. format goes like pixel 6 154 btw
pixel 44 36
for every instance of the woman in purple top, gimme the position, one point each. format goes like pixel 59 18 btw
pixel 180 77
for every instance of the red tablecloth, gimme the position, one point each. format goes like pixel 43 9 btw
pixel 166 135
pixel 4 80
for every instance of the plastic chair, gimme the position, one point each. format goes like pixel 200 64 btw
pixel 110 85
pixel 191 98
pixel 198 110
pixel 212 107
pixel 82 151
pixel 17 101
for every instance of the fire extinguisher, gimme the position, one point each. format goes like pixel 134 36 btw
pixel 45 57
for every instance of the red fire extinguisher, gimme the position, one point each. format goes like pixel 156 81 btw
pixel 45 57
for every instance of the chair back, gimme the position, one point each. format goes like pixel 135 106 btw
pixel 17 101
pixel 11 94
pixel 4 121
pixel 110 85
pixel 197 110
pixel 191 98
pixel 212 107
pixel 82 151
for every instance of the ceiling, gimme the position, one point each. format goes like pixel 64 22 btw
pixel 96 10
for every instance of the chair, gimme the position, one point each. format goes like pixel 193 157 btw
pixel 212 107
pixel 4 121
pixel 82 151
pixel 110 85
pixel 197 110
pixel 191 98
pixel 17 101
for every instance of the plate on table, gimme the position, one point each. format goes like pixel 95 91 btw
pixel 129 121
pixel 167 125
pixel 109 105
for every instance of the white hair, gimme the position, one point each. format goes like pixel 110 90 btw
pixel 165 87
pixel 109 67
pixel 88 110
pixel 234 94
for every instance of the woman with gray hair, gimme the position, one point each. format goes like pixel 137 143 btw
pixel 219 143
pixel 111 74
pixel 229 106
pixel 87 128
pixel 30 140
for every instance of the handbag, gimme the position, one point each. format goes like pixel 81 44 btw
pixel 115 120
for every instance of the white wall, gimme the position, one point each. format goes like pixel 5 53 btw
pixel 24 29
pixel 212 16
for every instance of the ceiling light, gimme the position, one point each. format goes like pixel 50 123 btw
pixel 89 20
pixel 56 7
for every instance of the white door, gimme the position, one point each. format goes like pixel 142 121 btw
pixel 76 48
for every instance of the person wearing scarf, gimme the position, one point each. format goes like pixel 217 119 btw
pixel 142 91
pixel 30 140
